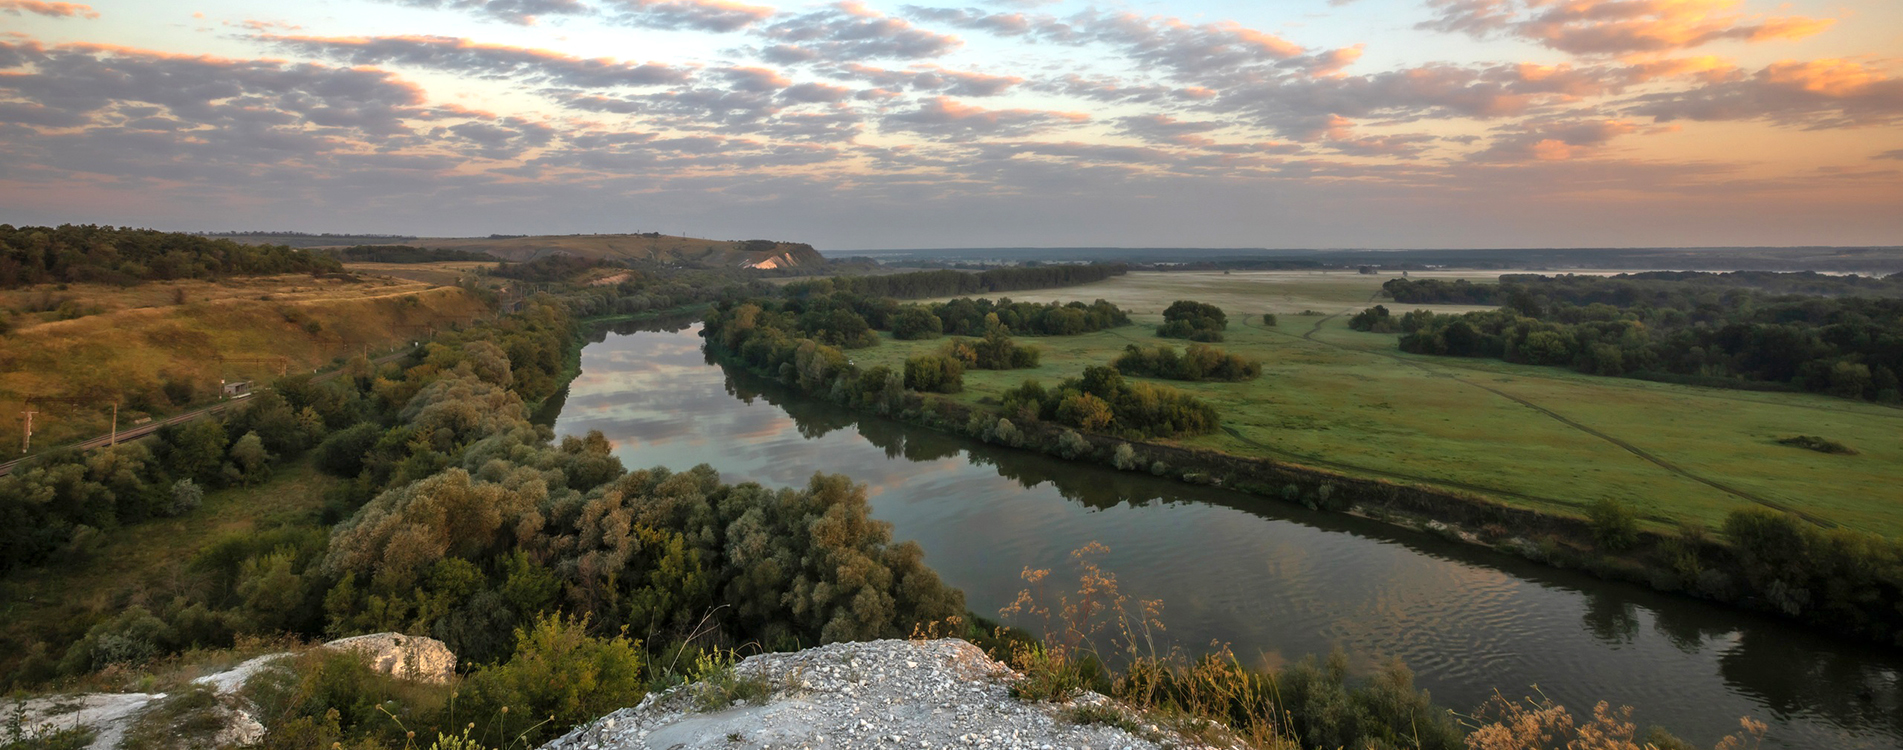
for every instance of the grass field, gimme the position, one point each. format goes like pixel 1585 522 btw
pixel 145 564
pixel 1540 437
pixel 140 338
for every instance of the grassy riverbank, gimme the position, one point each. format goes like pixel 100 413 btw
pixel 1540 438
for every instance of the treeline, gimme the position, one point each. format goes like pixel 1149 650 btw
pixel 403 254
pixel 1849 346
pixel 75 253
pixel 1673 289
pixel 1197 362
pixel 803 342
pixel 921 284
pixel 463 521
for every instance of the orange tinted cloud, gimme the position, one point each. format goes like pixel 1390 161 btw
pixel 54 10
pixel 1619 27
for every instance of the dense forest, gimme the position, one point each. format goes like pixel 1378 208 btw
pixel 73 253
pixel 921 284
pixel 403 254
pixel 1709 329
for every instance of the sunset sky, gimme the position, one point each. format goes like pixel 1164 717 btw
pixel 854 125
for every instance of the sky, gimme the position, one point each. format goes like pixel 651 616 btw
pixel 931 123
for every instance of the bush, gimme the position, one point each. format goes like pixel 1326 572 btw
pixel 185 496
pixel 134 637
pixel 934 373
pixel 1614 526
pixel 1268 319
pixel 559 675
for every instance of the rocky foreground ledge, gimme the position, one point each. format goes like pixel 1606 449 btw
pixel 879 694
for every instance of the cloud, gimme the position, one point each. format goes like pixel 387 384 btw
pixel 466 58
pixel 931 79
pixel 948 119
pixel 1166 129
pixel 1812 94
pixel 520 12
pixel 702 15
pixel 50 9
pixel 1616 27
pixel 849 31
pixel 1555 141
pixel 1896 154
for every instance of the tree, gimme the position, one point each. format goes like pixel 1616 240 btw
pixel 916 322
pixel 252 459
pixel 934 373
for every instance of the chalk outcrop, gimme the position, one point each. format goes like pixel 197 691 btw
pixel 404 656
pixel 112 715
pixel 880 694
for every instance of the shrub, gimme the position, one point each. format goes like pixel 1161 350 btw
pixel 559 674
pixel 1821 445
pixel 934 373
pixel 1072 445
pixel 185 496
pixel 1614 526
pixel 134 637
pixel 1125 458
pixel 1268 319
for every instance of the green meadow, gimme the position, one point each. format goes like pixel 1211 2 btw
pixel 1539 437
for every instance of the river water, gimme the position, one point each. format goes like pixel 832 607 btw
pixel 1272 579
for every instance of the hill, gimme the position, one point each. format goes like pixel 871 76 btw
pixel 157 348
pixel 652 247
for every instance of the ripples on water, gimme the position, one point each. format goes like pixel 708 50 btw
pixel 1274 580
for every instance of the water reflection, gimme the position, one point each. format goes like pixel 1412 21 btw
pixel 1275 580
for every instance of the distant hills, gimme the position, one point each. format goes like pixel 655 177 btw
pixel 652 246
pixel 1878 260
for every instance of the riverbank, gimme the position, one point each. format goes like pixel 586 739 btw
pixel 1696 565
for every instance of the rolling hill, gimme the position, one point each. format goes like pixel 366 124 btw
pixel 648 247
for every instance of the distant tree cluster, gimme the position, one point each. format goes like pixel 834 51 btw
pixel 996 351
pixel 1185 319
pixel 921 284
pixel 1197 362
pixel 403 254
pixel 973 317
pixel 1103 401
pixel 1377 319
pixel 74 253
pixel 1848 346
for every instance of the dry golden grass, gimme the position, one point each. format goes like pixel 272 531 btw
pixel 142 340
pixel 438 274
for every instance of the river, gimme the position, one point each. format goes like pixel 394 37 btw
pixel 1272 579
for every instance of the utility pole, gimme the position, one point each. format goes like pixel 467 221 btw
pixel 113 438
pixel 26 440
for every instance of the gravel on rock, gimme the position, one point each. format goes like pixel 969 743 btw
pixel 881 694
